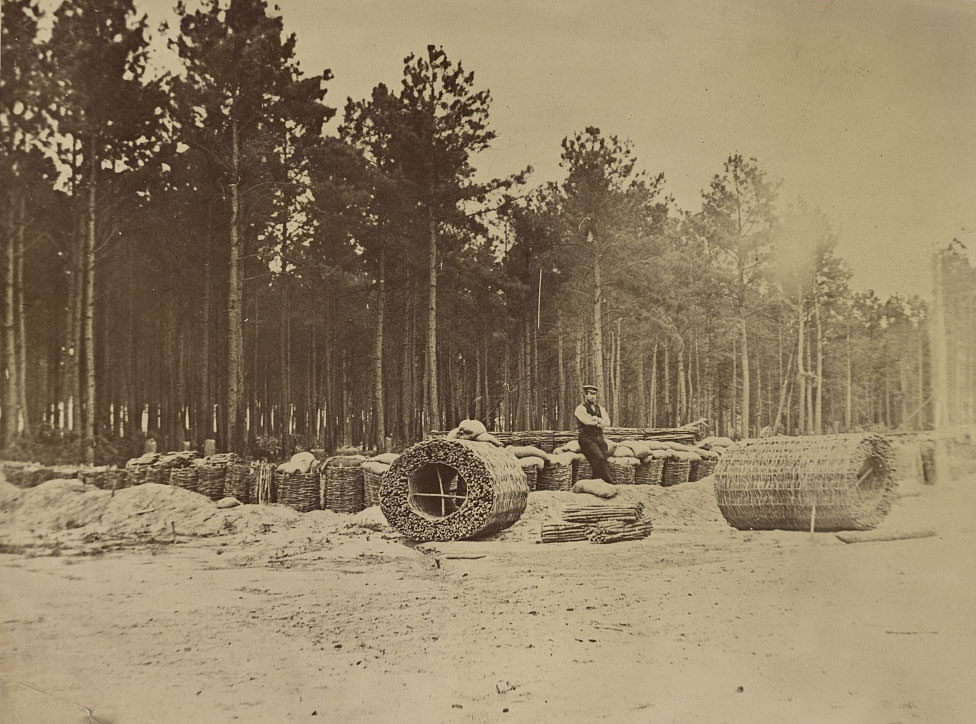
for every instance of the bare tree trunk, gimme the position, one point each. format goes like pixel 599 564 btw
pixel 849 396
pixel 746 385
pixel 379 418
pixel 818 407
pixel 641 392
pixel 284 364
pixel 578 361
pixel 432 406
pixel 205 425
pixel 801 375
pixel 524 393
pixel 562 418
pixel 668 411
pixel 503 412
pixel 618 415
pixel 654 386
pixel 20 314
pixel 682 401
pixel 783 393
pixel 88 304
pixel 597 335
pixel 235 341
pixel 10 377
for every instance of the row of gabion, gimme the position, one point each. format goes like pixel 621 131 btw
pixel 664 471
pixel 338 484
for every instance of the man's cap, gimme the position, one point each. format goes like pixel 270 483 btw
pixel 589 388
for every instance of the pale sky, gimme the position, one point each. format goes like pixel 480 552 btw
pixel 865 108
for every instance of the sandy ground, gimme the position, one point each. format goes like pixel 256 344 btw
pixel 150 606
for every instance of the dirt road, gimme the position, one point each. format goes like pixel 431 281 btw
pixel 694 624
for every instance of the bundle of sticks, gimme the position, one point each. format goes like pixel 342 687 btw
pixel 597 512
pixel 615 532
pixel 564 532
pixel 598 523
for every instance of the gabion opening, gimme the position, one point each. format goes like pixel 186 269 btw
pixel 436 490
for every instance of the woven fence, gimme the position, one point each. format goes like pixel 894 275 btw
pixel 441 490
pixel 828 482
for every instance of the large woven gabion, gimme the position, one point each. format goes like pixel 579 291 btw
pixel 239 481
pixel 343 479
pixel 441 490
pixel 582 470
pixel 373 472
pixel 649 472
pixel 555 476
pixel 210 480
pixel 835 482
pixel 298 490
pixel 623 469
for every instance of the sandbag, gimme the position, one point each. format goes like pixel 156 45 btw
pixel 525 451
pixel 595 486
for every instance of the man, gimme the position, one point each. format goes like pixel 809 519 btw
pixel 591 419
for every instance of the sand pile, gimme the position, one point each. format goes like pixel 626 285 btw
pixel 67 514
pixel 676 507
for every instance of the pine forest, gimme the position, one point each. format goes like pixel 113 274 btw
pixel 225 251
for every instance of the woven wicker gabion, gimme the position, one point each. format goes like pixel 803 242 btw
pixel 373 472
pixel 210 481
pixel 344 483
pixel 676 470
pixel 185 478
pixel 623 469
pixel 582 470
pixel 555 476
pixel 298 490
pixel 836 482
pixel 531 476
pixel 239 482
pixel 707 464
pixel 441 490
pixel 649 471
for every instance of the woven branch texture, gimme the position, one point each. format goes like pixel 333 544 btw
pixel 839 482
pixel 490 485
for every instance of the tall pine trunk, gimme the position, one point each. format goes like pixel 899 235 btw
pixel 10 377
pixel 597 334
pixel 379 417
pixel 746 386
pixel 20 314
pixel 431 402
pixel 801 374
pixel 88 306
pixel 818 405
pixel 235 340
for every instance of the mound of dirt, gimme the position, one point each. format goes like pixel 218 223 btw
pixel 66 514
pixel 676 507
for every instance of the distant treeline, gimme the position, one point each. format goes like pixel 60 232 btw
pixel 191 255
